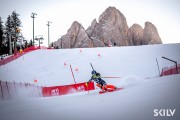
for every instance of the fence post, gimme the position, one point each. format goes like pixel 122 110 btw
pixel 38 91
pixel 34 89
pixel 8 90
pixel 23 91
pixel 27 90
pixel 41 93
pixel 15 88
pixel 37 87
pixel 30 87
pixel 1 91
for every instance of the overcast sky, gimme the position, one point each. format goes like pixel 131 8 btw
pixel 164 14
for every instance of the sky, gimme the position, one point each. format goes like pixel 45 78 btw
pixel 164 14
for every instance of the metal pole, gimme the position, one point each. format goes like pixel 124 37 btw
pixel 33 16
pixel 158 67
pixel 177 68
pixel 48 36
pixel 33 31
pixel 48 24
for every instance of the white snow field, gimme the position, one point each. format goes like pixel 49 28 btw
pixel 144 91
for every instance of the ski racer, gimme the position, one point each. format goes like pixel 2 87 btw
pixel 100 82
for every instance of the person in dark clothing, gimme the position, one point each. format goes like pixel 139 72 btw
pixel 97 78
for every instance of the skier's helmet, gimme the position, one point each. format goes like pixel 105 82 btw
pixel 93 72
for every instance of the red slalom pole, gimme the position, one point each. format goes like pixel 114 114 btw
pixel 72 74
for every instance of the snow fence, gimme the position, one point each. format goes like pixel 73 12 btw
pixel 14 90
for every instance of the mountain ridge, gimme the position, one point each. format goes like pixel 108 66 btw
pixel 111 29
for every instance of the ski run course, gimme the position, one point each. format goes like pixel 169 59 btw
pixel 144 91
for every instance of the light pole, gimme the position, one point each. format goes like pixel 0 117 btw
pixel 33 16
pixel 48 24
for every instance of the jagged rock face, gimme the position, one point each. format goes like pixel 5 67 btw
pixel 91 30
pixel 76 37
pixel 112 28
pixel 135 35
pixel 150 34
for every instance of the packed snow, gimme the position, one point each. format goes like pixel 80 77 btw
pixel 136 66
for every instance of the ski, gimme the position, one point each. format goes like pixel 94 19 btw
pixel 101 92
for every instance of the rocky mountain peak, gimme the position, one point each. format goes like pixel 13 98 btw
pixel 75 26
pixel 113 16
pixel 150 35
pixel 94 22
pixel 75 37
pixel 108 13
pixel 111 29
pixel 135 35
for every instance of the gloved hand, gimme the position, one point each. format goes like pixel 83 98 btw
pixel 87 83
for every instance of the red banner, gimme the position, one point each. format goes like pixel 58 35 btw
pixel 19 54
pixel 171 70
pixel 67 89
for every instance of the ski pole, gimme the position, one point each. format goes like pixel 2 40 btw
pixel 91 66
pixel 111 77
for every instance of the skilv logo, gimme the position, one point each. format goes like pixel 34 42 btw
pixel 164 112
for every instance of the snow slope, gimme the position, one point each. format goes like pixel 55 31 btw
pixel 47 66
pixel 133 103
pixel 144 90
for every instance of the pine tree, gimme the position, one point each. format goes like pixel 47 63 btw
pixel 16 23
pixel 9 28
pixel 3 46
pixel 1 33
pixel 12 26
